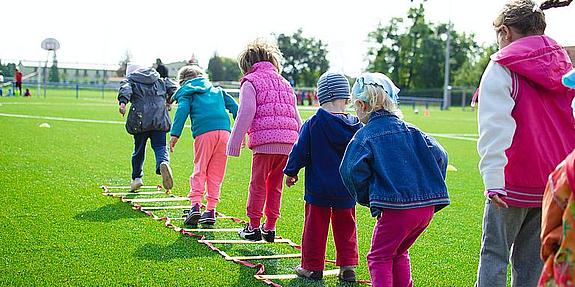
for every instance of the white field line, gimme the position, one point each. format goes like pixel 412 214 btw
pixel 465 137
pixel 66 119
pixel 453 136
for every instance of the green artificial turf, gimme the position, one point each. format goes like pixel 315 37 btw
pixel 57 228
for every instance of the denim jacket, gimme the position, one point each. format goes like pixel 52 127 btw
pixel 390 164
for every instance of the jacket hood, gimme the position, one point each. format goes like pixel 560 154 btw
pixel 144 76
pixel 539 59
pixel 338 129
pixel 195 85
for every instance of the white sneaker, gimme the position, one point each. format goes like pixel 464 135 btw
pixel 136 184
pixel 167 178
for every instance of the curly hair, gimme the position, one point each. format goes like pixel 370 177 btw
pixel 260 51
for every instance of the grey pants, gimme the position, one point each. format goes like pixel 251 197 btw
pixel 510 230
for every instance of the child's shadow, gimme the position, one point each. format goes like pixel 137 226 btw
pixel 184 247
pixel 108 213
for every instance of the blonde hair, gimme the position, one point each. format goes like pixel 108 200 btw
pixel 526 16
pixel 260 51
pixel 379 100
pixel 190 72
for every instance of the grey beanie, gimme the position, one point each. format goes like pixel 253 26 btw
pixel 332 86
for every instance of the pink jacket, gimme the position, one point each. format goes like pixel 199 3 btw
pixel 534 126
pixel 274 127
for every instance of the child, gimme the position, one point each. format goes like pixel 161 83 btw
pixel 27 93
pixel 269 115
pixel 558 218
pixel 148 119
pixel 206 105
pixel 320 147
pixel 525 130
pixel 398 172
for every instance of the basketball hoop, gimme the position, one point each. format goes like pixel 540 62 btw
pixel 50 44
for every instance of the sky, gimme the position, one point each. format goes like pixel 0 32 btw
pixel 102 31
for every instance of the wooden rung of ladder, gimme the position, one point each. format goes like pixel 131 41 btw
pixel 212 229
pixel 165 207
pixel 293 276
pixel 225 241
pixel 277 256
pixel 132 193
pixel 164 199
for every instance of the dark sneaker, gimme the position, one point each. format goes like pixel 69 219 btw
pixel 167 178
pixel 347 273
pixel 208 217
pixel 313 275
pixel 268 235
pixel 250 234
pixel 193 216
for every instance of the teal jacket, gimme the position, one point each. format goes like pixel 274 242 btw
pixel 205 105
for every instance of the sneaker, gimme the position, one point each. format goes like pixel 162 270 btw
pixel 347 273
pixel 136 184
pixel 313 275
pixel 167 178
pixel 250 234
pixel 268 235
pixel 193 216
pixel 208 217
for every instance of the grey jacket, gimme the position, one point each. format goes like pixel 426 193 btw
pixel 148 94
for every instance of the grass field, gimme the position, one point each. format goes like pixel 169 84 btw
pixel 57 228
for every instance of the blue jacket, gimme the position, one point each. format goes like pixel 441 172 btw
pixel 205 104
pixel 391 164
pixel 320 148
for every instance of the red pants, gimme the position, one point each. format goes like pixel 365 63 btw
pixel 314 238
pixel 266 189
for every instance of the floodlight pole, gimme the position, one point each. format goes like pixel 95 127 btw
pixel 446 86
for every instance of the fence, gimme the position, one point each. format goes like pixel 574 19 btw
pixel 459 97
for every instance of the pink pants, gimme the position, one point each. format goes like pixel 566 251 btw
pixel 394 233
pixel 266 189
pixel 314 238
pixel 209 167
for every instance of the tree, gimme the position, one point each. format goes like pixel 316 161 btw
pixel 223 69
pixel 232 71
pixel 53 75
pixel 470 73
pixel 121 71
pixel 305 58
pixel 412 51
pixel 216 68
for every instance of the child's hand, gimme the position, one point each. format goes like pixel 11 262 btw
pixel 291 180
pixel 122 109
pixel 244 142
pixel 173 141
pixel 499 202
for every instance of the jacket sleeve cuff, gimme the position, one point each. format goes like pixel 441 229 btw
pixel 233 151
pixel 490 193
pixel 494 179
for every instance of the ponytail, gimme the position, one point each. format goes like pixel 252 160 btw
pixel 548 4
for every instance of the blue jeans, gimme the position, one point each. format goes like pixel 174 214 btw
pixel 510 234
pixel 158 139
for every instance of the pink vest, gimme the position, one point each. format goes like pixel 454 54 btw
pixel 275 119
pixel 545 128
